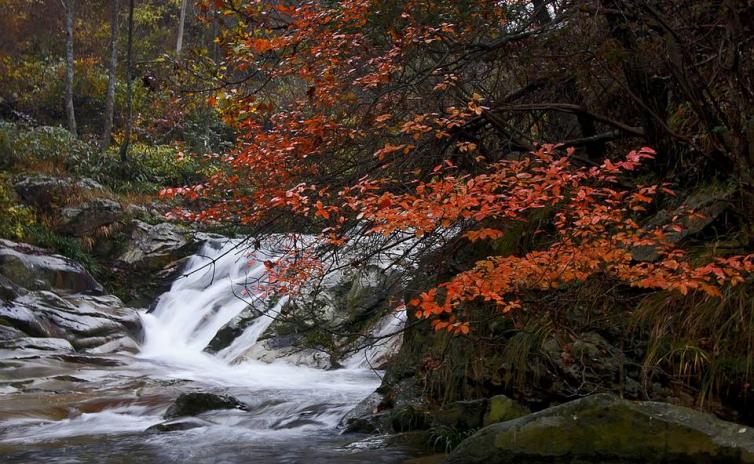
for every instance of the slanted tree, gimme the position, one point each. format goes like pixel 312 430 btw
pixel 378 125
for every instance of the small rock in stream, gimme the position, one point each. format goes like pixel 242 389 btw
pixel 177 426
pixel 192 404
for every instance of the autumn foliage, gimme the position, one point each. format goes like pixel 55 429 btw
pixel 347 130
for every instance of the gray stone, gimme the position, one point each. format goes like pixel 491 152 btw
pixel 192 404
pixel 47 192
pixel 84 220
pixel 35 269
pixel 177 425
pixel 603 429
pixel 36 343
pixel 154 246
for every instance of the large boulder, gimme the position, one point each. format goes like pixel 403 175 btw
pixel 50 296
pixel 83 220
pixel 85 324
pixel 155 255
pixel 192 404
pixel 47 192
pixel 32 268
pixel 153 247
pixel 604 429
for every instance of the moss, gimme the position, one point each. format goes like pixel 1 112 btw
pixel 501 408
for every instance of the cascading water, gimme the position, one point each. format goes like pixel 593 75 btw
pixel 293 410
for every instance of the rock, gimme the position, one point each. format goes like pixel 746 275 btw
pixel 360 425
pixel 461 415
pixel 21 318
pixel 153 247
pixel 115 345
pixel 47 193
pixel 9 290
pixel 708 203
pixel 409 418
pixel 286 348
pixel 85 219
pixel 47 314
pixel 155 255
pixel 500 408
pixel 232 330
pixel 177 425
pixel 74 322
pixel 370 288
pixel 192 404
pixel 603 428
pixel 365 417
pixel 9 333
pixel 35 269
pixel 35 343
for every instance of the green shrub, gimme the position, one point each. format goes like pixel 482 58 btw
pixel 15 218
pixel 445 439
pixel 148 169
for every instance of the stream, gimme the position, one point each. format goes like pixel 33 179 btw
pixel 95 408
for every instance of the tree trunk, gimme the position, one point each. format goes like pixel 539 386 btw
pixel 70 6
pixel 129 78
pixel 110 99
pixel 181 22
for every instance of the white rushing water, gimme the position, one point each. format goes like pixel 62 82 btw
pixel 284 400
pixel 220 283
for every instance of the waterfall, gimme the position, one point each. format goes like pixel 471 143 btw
pixel 285 401
pixel 218 284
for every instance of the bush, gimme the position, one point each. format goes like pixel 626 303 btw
pixel 15 218
pixel 148 169
pixel 41 148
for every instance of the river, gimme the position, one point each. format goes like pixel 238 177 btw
pixel 96 408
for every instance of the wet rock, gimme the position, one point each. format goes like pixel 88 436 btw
pixel 232 330
pixel 366 417
pixel 83 220
pixel 410 418
pixel 155 255
pixel 192 404
pixel 360 425
pixel 90 360
pixel 177 425
pixel 9 333
pixel 73 322
pixel 154 246
pixel 603 429
pixel 461 415
pixel 116 345
pixel 35 269
pixel 369 291
pixel 9 290
pixel 500 408
pixel 36 343
pixel 47 314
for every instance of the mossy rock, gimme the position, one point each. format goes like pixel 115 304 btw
pixel 606 429
pixel 462 415
pixel 500 408
pixel 409 418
